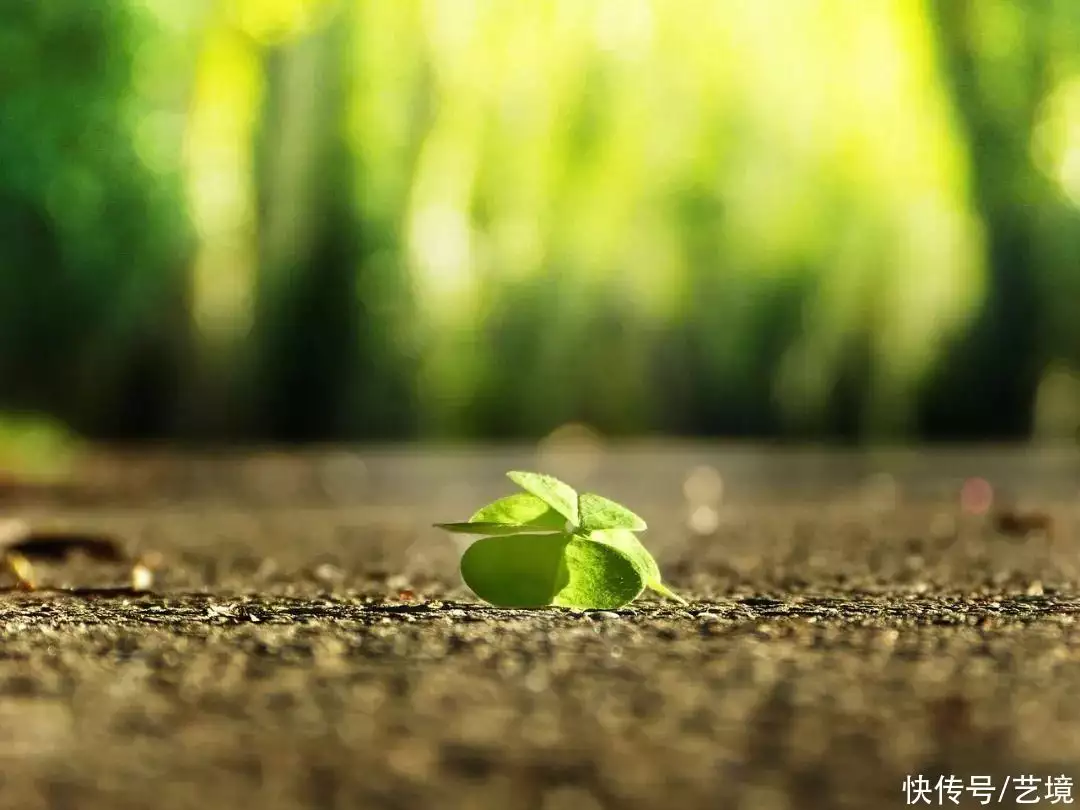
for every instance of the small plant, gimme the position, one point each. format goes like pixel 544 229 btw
pixel 549 545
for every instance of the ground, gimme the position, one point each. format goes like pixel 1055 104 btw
pixel 854 620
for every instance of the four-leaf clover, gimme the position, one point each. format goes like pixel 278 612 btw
pixel 548 545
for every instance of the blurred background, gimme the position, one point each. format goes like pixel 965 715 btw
pixel 359 220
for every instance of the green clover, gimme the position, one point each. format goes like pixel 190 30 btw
pixel 550 546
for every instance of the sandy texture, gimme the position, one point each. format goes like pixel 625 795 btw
pixel 308 644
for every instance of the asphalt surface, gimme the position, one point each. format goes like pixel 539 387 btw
pixel 854 620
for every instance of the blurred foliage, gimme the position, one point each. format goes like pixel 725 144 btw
pixel 92 271
pixel 314 220
pixel 36 449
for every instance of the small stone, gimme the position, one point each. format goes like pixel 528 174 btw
pixel 537 681
pixel 708 618
pixel 329 574
pixel 142 578
pixel 1035 589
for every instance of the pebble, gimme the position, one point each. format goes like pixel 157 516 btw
pixel 328 573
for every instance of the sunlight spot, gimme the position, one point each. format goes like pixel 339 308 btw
pixel 440 240
pixel 219 182
pixel 1069 173
pixel 451 25
pixel 572 451
pixel 703 485
pixel 704 520
pixel 1055 143
pixel 624 26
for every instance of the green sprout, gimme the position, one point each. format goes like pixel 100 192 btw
pixel 550 546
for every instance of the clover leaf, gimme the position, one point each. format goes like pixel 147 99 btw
pixel 628 543
pixel 536 570
pixel 597 513
pixel 550 546
pixel 513 514
pixel 559 496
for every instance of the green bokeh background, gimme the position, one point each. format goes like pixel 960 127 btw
pixel 305 220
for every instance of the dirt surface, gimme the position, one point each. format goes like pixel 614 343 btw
pixel 854 620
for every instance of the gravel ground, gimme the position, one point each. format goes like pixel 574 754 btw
pixel 854 620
